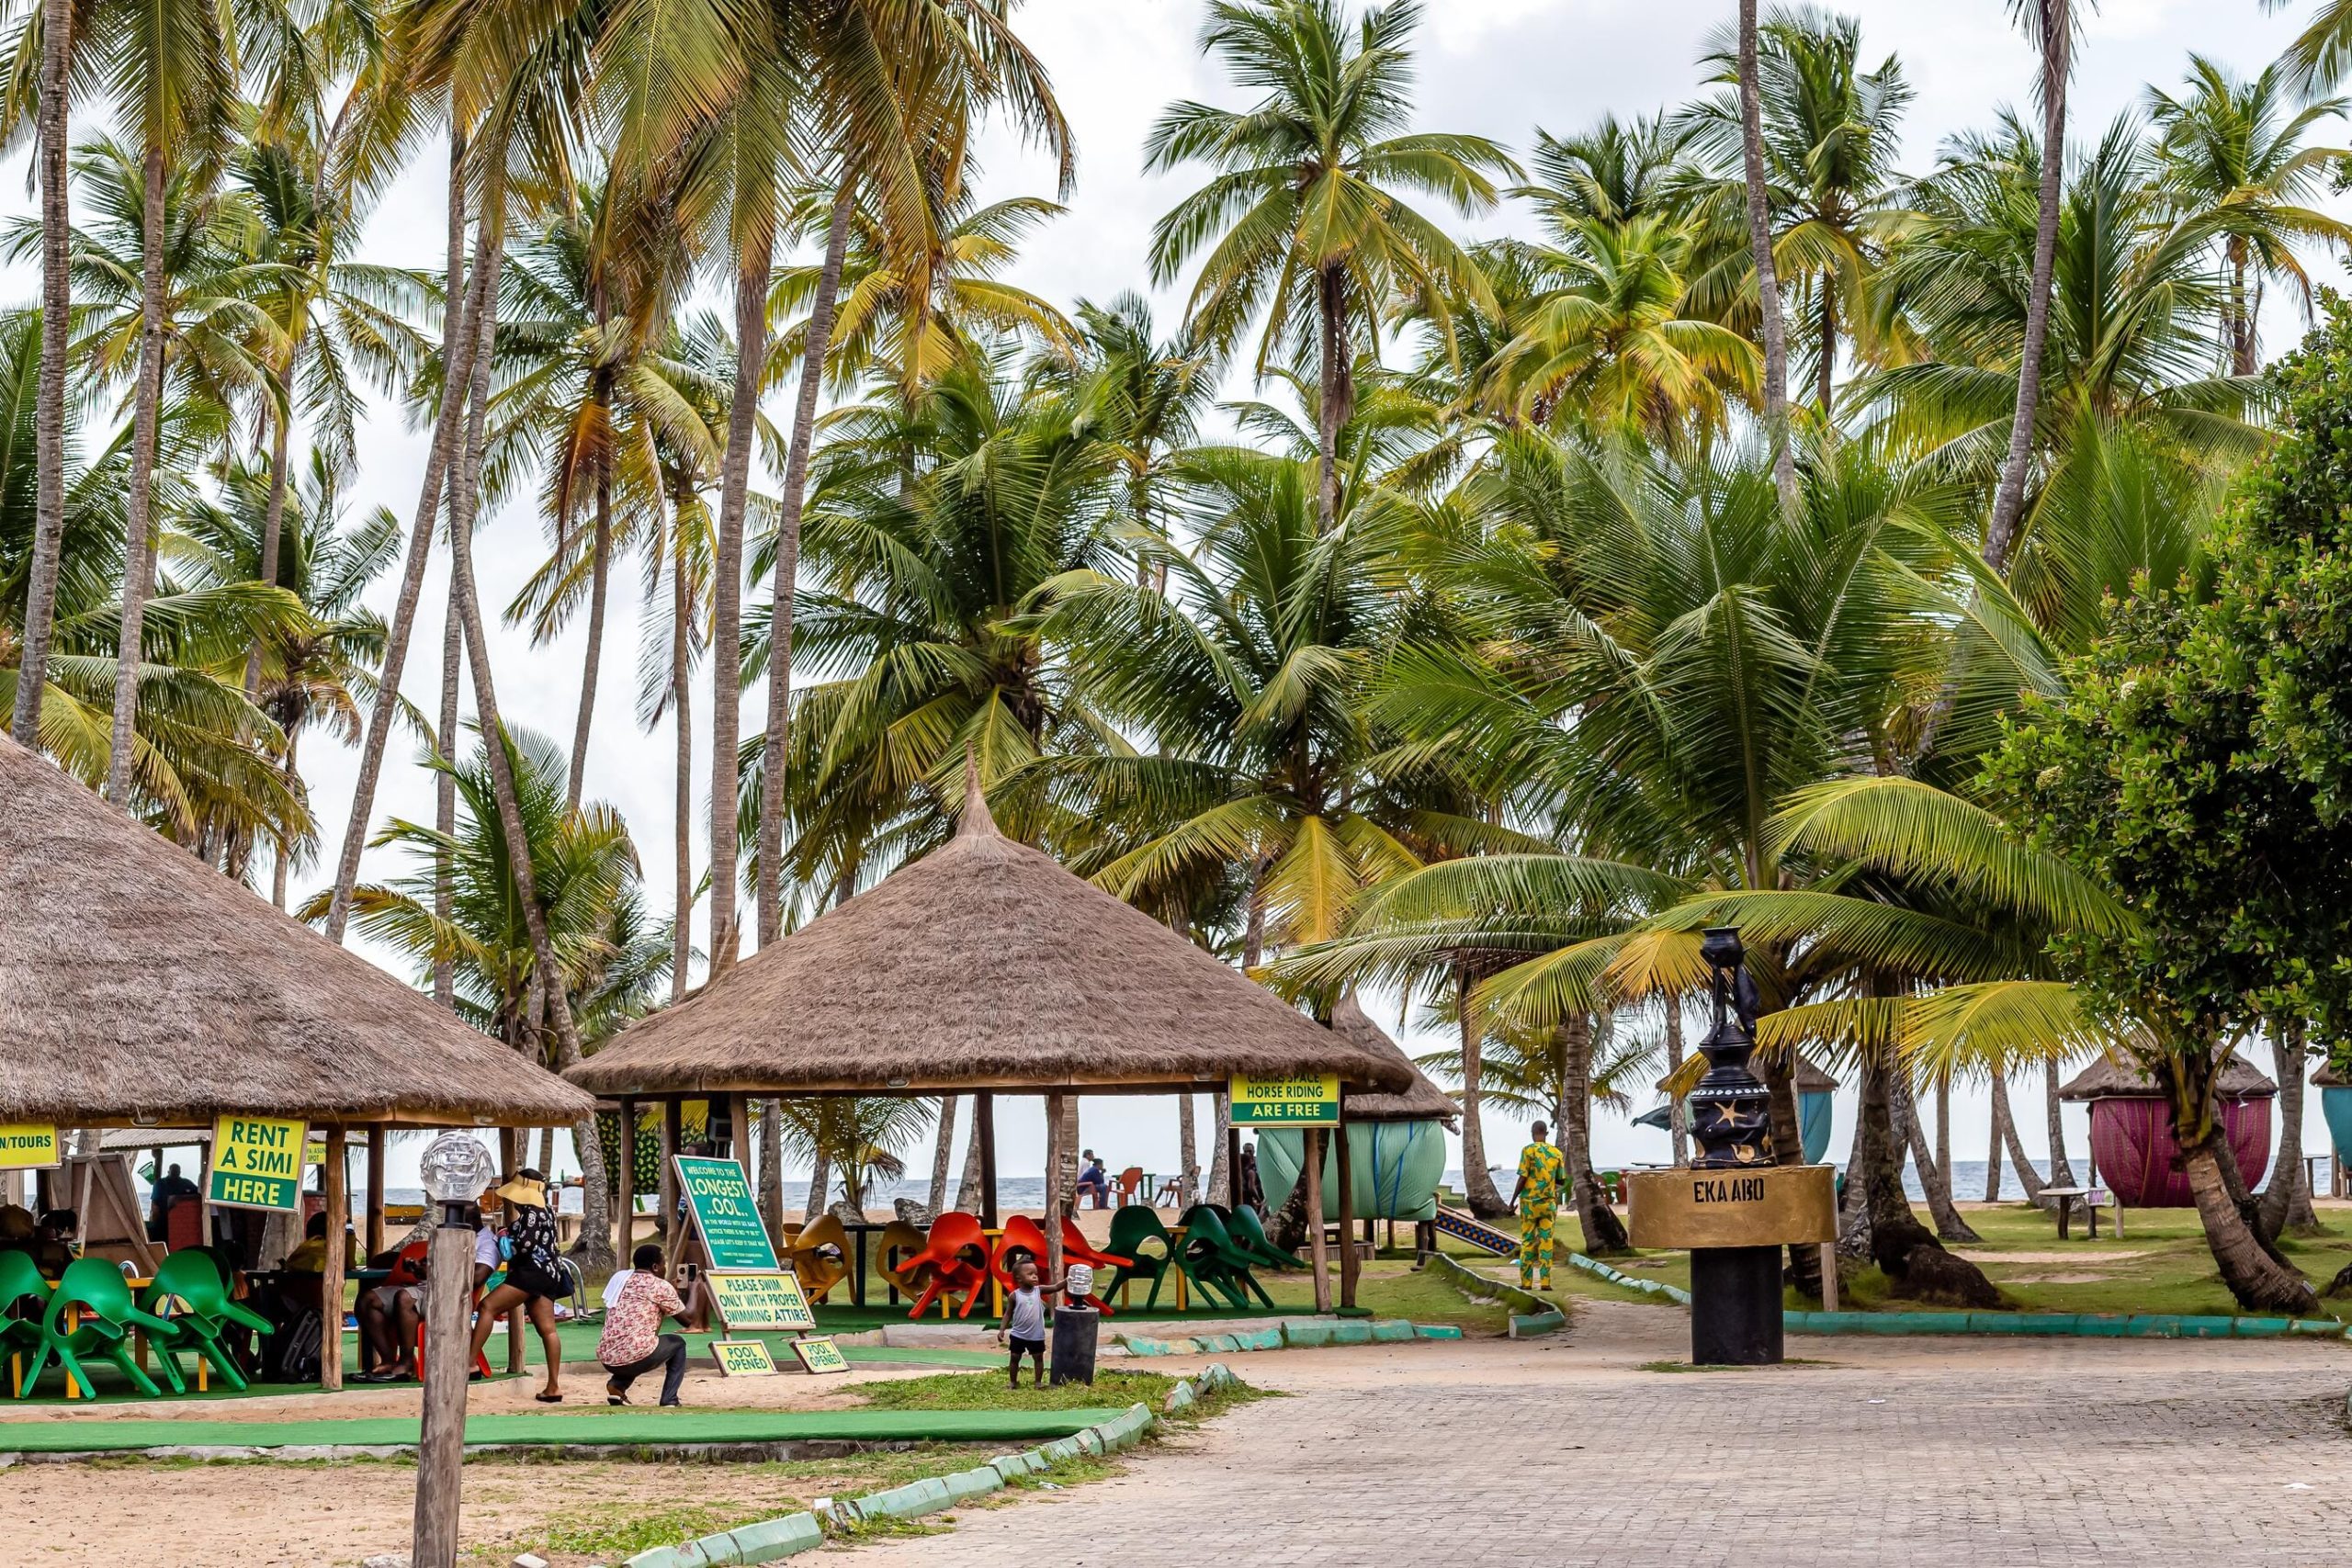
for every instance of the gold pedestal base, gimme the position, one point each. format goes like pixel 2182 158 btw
pixel 1768 1205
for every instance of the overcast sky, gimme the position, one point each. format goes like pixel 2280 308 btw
pixel 1501 68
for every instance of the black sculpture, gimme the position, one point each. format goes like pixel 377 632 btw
pixel 1731 1111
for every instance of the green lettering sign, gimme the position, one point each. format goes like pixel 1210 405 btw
pixel 1308 1100
pixel 718 1195
pixel 757 1302
pixel 256 1163
pixel 820 1355
pixel 743 1358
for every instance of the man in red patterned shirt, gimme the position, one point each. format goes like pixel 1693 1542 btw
pixel 633 1343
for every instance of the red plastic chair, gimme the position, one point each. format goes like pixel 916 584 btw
pixel 1076 1248
pixel 952 1236
pixel 1021 1236
pixel 482 1357
pixel 1129 1181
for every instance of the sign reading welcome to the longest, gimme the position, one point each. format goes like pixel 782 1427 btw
pixel 720 1197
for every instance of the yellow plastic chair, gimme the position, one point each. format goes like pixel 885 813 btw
pixel 820 1269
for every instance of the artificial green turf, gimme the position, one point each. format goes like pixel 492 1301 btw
pixel 599 1426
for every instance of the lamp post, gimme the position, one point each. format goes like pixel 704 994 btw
pixel 456 1168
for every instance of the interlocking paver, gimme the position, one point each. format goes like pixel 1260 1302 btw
pixel 1957 1453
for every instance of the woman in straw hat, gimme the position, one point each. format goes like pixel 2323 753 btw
pixel 533 1277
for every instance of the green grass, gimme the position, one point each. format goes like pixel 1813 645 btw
pixel 987 1391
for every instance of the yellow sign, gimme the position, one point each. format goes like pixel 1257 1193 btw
pixel 743 1358
pixel 1306 1099
pixel 27 1146
pixel 756 1302
pixel 820 1355
pixel 257 1163
pixel 1759 1206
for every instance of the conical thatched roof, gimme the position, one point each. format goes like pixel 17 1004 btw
pixel 135 984
pixel 982 966
pixel 2328 1078
pixel 1810 1080
pixel 2107 1078
pixel 1422 1102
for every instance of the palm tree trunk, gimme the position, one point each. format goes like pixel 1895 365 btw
pixel 1825 385
pixel 1944 1128
pixel 787 571
pixel 1949 1226
pixel 968 1187
pixel 600 573
pixel 457 360
pixel 681 612
pixel 2057 28
pixel 139 539
pixel 943 1149
pixel 1477 1183
pixel 1788 1149
pixel 2287 1201
pixel 445 792
pixel 2062 1171
pixel 596 1231
pixel 1993 1146
pixel 727 616
pixel 2005 1120
pixel 1604 1233
pixel 770 1175
pixel 49 409
pixel 273 521
pixel 1677 1121
pixel 2244 361
pixel 1188 1163
pixel 1335 403
pixel 1768 281
pixel 821 1178
pixel 1222 1183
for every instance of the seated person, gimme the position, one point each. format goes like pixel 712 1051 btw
pixel 171 1189
pixel 633 1344
pixel 52 1243
pixel 391 1314
pixel 1093 1181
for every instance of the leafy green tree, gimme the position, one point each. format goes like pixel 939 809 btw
pixel 1303 222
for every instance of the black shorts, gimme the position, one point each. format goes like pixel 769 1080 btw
pixel 1026 1348
pixel 535 1282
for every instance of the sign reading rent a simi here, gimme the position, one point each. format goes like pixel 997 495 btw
pixel 256 1163
pixel 27 1146
pixel 718 1195
pixel 753 1303
pixel 1308 1100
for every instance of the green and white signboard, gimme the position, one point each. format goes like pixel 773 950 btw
pixel 1306 1099
pixel 726 1214
pixel 256 1163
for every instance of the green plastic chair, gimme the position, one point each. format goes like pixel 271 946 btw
pixel 1250 1237
pixel 98 1288
pixel 1214 1264
pixel 20 1282
pixel 191 1278
pixel 1130 1228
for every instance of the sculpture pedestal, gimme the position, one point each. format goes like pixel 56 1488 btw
pixel 1734 1222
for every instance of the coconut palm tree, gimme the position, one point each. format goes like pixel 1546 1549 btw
pixel 1148 396
pixel 1303 220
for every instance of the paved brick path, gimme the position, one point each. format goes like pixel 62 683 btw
pixel 1955 1453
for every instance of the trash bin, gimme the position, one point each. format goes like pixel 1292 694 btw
pixel 1072 1354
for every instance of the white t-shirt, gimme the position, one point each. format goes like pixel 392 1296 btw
pixel 486 1247
pixel 613 1286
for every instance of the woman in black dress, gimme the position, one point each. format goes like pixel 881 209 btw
pixel 533 1277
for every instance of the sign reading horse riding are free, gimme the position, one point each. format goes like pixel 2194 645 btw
pixel 1305 1099
pixel 256 1163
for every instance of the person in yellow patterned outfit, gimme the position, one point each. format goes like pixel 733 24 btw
pixel 1542 1174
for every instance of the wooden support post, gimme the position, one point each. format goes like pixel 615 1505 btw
pixel 1056 1126
pixel 510 1158
pixel 984 1128
pixel 441 1450
pixel 673 1235
pixel 1351 1261
pixel 330 1271
pixel 1318 1255
pixel 1233 1165
pixel 1829 1276
pixel 378 1143
pixel 625 1180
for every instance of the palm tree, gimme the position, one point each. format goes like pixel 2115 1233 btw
pixel 2231 149
pixel 1307 227
pixel 2052 25
pixel 1759 244
pixel 1148 398
pixel 860 1135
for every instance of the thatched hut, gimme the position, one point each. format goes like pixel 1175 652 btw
pixel 1397 1142
pixel 1816 1095
pixel 2335 1106
pixel 982 967
pixel 2132 1146
pixel 138 988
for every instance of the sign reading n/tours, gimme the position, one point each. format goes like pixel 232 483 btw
pixel 820 1355
pixel 726 1214
pixel 256 1163
pixel 27 1146
pixel 755 1302
pixel 743 1358
pixel 1306 1099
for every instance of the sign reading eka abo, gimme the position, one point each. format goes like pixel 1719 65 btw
pixel 1289 1099
pixel 1770 1205
pixel 256 1163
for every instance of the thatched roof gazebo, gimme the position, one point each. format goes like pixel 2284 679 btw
pixel 1423 1102
pixel 138 988
pixel 982 967
pixel 2132 1145
pixel 1393 1144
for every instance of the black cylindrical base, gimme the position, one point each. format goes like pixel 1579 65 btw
pixel 1071 1357
pixel 1736 1306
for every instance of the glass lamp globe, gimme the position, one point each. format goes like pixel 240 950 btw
pixel 1079 1284
pixel 455 1169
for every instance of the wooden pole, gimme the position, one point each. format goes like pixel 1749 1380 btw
pixel 1319 1256
pixel 1350 1262
pixel 378 1143
pixel 330 1271
pixel 673 1235
pixel 984 1127
pixel 509 1154
pixel 625 1210
pixel 441 1448
pixel 1056 1125
pixel 1233 1165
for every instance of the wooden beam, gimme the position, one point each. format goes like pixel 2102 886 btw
pixel 1350 1262
pixel 1319 1256
pixel 984 1128
pixel 378 1145
pixel 673 1235
pixel 1056 1127
pixel 330 1271
pixel 1232 1167
pixel 624 1209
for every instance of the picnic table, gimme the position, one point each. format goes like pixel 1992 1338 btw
pixel 2091 1200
